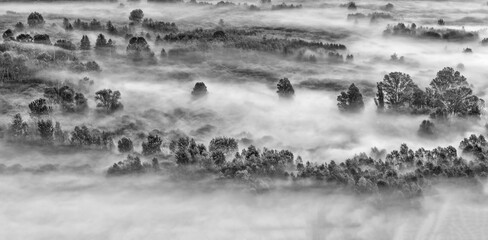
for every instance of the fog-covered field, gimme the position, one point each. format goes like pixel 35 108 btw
pixel 339 172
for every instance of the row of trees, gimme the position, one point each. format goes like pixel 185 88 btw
pixel 449 95
pixel 404 172
pixel 108 101
pixel 430 33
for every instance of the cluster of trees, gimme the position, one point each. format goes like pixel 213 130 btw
pixel 431 33
pixel 69 100
pixel 373 17
pixel 449 95
pixel 247 40
pixel 350 101
pixel 283 6
pixel 404 172
pixel 12 68
pixel 47 131
pixel 138 49
pixel 159 26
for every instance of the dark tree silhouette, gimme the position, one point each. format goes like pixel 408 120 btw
pixel 42 39
pixel 108 100
pixel 152 146
pixel 136 15
pixel 138 49
pixel 35 19
pixel 24 38
pixel 8 35
pixel 285 89
pixel 85 43
pixel 125 145
pixel 19 26
pixel 397 89
pixel 451 95
pixel 111 29
pixel 199 90
pixel 65 44
pixel 39 107
pixel 350 101
pixel 18 128
pixel 427 129
pixel 46 130
pixel 224 145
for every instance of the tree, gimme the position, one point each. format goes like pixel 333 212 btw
pixel 42 39
pixel 136 15
pixel 101 42
pixel 380 97
pixel 350 101
pixel 111 29
pixel 450 94
pixel 8 35
pixel 218 158
pixel 46 130
pixel 138 49
pixel 35 19
pixel 199 90
pixel 224 145
pixel 426 129
pixel 125 145
pixel 108 100
pixel 397 89
pixel 152 146
pixel 18 128
pixel 85 43
pixel 24 38
pixel 285 89
pixel 39 107
pixel 92 66
pixel 59 135
pixel 65 44
pixel 19 26
pixel 81 136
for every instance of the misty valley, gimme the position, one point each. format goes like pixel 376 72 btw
pixel 172 119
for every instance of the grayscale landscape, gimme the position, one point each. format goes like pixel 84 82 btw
pixel 171 119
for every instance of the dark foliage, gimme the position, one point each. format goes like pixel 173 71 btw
pixel 136 15
pixel 427 129
pixel 125 145
pixel 350 101
pixel 224 145
pixel 108 100
pixel 199 90
pixel 85 43
pixel 39 107
pixel 42 39
pixel 35 19
pixel 285 89
pixel 152 146
pixel 65 44
pixel 46 130
pixel 430 33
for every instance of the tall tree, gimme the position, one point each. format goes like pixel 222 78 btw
pixel 451 95
pixel 397 89
pixel 351 101
pixel 108 100
pixel 85 43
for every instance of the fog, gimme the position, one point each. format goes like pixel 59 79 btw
pixel 74 199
